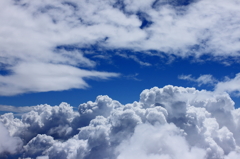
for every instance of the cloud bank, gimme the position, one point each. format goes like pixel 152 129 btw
pixel 35 37
pixel 169 122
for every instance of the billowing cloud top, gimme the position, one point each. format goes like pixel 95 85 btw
pixel 35 35
pixel 169 122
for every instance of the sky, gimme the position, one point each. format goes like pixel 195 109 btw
pixel 106 65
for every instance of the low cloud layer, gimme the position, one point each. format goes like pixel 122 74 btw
pixel 35 37
pixel 169 122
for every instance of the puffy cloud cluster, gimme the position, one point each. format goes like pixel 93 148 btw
pixel 43 119
pixel 8 144
pixel 169 122
pixel 55 31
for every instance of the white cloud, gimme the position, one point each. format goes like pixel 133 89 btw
pixel 43 119
pixel 230 85
pixel 30 32
pixel 43 77
pixel 10 108
pixel 28 41
pixel 168 122
pixel 38 145
pixel 155 142
pixel 71 149
pixel 8 144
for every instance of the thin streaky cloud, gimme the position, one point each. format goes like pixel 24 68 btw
pixel 206 79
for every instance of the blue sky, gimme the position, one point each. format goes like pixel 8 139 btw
pixel 75 51
pixel 133 80
pixel 120 79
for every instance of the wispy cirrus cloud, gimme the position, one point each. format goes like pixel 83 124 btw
pixel 201 80
pixel 134 58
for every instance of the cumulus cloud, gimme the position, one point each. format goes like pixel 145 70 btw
pixel 38 145
pixel 161 142
pixel 43 119
pixel 169 122
pixel 8 144
pixel 35 36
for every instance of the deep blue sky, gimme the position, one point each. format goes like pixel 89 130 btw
pixel 133 80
